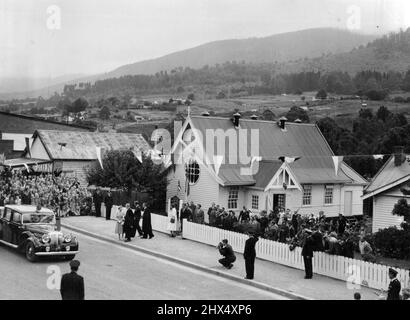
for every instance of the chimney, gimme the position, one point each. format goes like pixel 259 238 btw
pixel 236 117
pixel 254 117
pixel 282 123
pixel 298 120
pixel 205 114
pixel 399 156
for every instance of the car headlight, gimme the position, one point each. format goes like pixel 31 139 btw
pixel 45 238
pixel 67 238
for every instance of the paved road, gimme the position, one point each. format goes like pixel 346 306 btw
pixel 114 272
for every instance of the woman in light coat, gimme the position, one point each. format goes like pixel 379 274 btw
pixel 120 216
pixel 172 221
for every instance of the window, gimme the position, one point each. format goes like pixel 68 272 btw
pixel 16 217
pixel 192 171
pixel 7 216
pixel 329 194
pixel 307 195
pixel 233 198
pixel 255 202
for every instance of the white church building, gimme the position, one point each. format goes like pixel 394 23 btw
pixel 293 167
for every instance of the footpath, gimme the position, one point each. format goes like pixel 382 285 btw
pixel 269 276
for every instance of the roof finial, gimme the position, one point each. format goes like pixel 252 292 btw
pixel 189 111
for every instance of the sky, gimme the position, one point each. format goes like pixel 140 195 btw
pixel 52 38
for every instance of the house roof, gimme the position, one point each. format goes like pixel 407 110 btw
pixel 298 140
pixel 82 145
pixel 388 177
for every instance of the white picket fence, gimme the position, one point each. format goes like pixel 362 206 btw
pixel 353 271
pixel 159 223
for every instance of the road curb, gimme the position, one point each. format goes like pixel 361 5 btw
pixel 189 264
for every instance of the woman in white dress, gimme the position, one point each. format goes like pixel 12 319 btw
pixel 172 221
pixel 120 215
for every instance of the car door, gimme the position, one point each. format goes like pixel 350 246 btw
pixel 5 226
pixel 15 227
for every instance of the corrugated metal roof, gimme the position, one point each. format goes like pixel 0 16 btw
pixel 266 171
pixel 298 140
pixel 82 145
pixel 389 174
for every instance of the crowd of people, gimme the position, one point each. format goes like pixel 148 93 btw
pixel 334 235
pixel 61 193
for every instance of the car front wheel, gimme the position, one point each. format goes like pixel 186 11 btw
pixel 30 252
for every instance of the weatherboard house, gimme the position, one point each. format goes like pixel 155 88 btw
pixel 73 152
pixel 388 186
pixel 290 165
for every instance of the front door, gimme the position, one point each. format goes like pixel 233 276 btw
pixel 5 226
pixel 279 201
pixel 348 203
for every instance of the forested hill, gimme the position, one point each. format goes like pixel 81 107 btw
pixel 389 53
pixel 276 48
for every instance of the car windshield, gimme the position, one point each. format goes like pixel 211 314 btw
pixel 38 218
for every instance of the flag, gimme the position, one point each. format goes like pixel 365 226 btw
pixel 99 156
pixel 187 185
pixel 337 160
pixel 217 163
pixel 288 159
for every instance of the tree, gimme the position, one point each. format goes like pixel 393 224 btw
pixel 366 113
pixel 297 113
pixel 268 115
pixel 123 170
pixel 321 94
pixel 79 105
pixel 383 113
pixel 191 96
pixel 402 209
pixel 105 113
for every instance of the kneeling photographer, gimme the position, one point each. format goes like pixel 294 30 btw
pixel 226 250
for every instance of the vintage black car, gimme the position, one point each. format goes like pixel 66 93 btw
pixel 33 231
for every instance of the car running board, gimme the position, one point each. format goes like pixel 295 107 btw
pixel 9 244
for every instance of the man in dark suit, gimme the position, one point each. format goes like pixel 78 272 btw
pixel 186 213
pixel 137 218
pixel 146 222
pixel 72 285
pixel 129 224
pixel 226 250
pixel 108 201
pixel 307 253
pixel 97 198
pixel 249 255
pixel 393 292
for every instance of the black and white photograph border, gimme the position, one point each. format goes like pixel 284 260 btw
pixel 205 155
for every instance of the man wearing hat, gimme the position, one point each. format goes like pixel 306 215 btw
pixel 250 255
pixel 307 253
pixel 72 285
pixel 393 292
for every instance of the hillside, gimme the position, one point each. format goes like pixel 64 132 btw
pixel 280 48
pixel 389 53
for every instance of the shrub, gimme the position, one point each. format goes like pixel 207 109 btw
pixel 399 99
pixel 393 243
